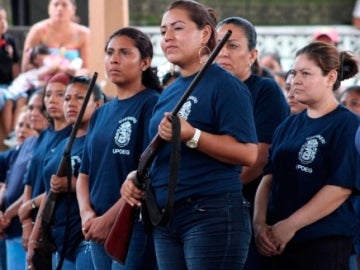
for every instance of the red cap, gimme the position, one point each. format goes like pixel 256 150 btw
pixel 60 77
pixel 330 33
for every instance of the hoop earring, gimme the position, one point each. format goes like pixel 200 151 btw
pixel 204 53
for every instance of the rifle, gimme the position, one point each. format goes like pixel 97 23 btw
pixel 118 239
pixel 43 252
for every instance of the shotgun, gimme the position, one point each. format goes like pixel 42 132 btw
pixel 42 254
pixel 118 239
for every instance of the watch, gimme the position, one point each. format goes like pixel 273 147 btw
pixel 193 142
pixel 33 205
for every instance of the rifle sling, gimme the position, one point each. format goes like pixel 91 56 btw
pixel 162 217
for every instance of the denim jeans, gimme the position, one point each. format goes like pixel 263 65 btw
pixel 141 253
pixel 83 256
pixel 15 254
pixel 82 260
pixel 205 233
pixel 67 264
pixel 2 254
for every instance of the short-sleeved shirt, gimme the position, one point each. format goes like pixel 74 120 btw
pixel 14 181
pixel 220 104
pixel 66 215
pixel 46 143
pixel 116 137
pixel 8 56
pixel 306 155
pixel 270 109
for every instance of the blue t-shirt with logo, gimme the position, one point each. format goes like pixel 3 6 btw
pixel 220 104
pixel 306 155
pixel 116 137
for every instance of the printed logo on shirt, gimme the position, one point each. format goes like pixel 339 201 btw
pixel 308 151
pixel 186 107
pixel 123 135
pixel 75 163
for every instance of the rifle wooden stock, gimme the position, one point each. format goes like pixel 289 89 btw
pixel 43 221
pixel 120 234
pixel 116 245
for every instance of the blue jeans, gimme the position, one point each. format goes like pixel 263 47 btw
pixel 353 262
pixel 205 233
pixel 2 254
pixel 67 264
pixel 15 254
pixel 141 253
pixel 82 258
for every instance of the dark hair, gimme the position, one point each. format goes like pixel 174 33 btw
pixel 143 43
pixel 168 76
pixel 351 89
pixel 274 55
pixel 327 57
pixel 84 80
pixel 200 15
pixel 37 50
pixel 39 92
pixel 246 26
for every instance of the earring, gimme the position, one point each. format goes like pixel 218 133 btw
pixel 204 53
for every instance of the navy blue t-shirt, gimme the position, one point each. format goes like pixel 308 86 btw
pixel 270 109
pixel 14 181
pixel 270 106
pixel 220 104
pixel 116 137
pixel 5 157
pixel 66 210
pixel 46 143
pixel 308 154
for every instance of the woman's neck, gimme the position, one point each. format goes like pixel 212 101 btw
pixel 59 125
pixel 320 109
pixel 128 90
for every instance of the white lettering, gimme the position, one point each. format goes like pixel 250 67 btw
pixel 304 169
pixel 121 151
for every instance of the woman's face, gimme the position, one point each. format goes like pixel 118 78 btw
pixel 123 61
pixel 61 10
pixel 351 100
pixel 23 128
pixel 74 99
pixel 295 106
pixel 181 39
pixel 3 22
pixel 54 99
pixel 309 84
pixel 37 118
pixel 235 55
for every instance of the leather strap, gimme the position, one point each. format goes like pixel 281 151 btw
pixel 163 216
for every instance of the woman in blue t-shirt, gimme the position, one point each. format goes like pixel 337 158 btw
pixel 45 144
pixel 210 225
pixel 270 107
pixel 116 138
pixel 66 222
pixel 304 213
